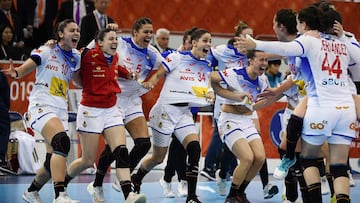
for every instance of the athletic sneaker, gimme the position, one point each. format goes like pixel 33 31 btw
pixel 333 199
pixel 282 169
pixel 31 197
pixel 351 179
pixel 63 198
pixel 325 189
pixel 116 185
pixel 97 193
pixel 5 169
pixel 270 190
pixel 220 184
pixel 208 173
pixel 135 198
pixel 72 200
pixel 168 192
pixel 182 188
pixel 193 199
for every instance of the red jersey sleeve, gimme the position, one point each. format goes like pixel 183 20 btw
pixel 123 72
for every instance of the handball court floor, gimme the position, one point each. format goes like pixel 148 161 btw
pixel 12 187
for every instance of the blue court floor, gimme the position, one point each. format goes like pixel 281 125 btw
pixel 12 187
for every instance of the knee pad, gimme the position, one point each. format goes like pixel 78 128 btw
pixel 47 162
pixel 294 128
pixel 306 163
pixel 142 146
pixel 105 159
pixel 121 157
pixel 61 144
pixel 321 166
pixel 339 171
pixel 193 150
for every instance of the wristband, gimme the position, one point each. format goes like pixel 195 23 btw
pixel 210 90
pixel 133 76
pixel 16 74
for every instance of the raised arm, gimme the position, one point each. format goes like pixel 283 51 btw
pixel 21 71
pixel 215 79
pixel 293 48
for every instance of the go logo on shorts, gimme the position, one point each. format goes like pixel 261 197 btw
pixel 317 126
pixel 352 126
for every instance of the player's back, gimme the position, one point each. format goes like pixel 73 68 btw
pixel 325 69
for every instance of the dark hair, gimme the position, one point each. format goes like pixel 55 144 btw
pixel 2 28
pixel 330 16
pixel 251 53
pixel 197 33
pixel 240 27
pixel 140 22
pixel 287 18
pixel 312 16
pixel 231 41
pixel 188 33
pixel 60 27
pixel 274 62
pixel 101 34
pixel 323 4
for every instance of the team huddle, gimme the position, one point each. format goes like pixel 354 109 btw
pixel 114 72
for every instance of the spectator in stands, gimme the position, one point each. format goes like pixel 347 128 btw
pixel 43 24
pixel 8 18
pixel 8 51
pixel 24 11
pixel 75 9
pixel 93 22
pixel 4 122
pixel 272 72
pixel 162 37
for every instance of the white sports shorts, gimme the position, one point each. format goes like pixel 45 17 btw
pixel 130 107
pixel 334 124
pixel 96 120
pixel 233 127
pixel 166 119
pixel 38 115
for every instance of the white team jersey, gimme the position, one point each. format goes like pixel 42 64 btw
pixel 139 60
pixel 324 66
pixel 292 94
pixel 225 56
pixel 237 80
pixel 187 80
pixel 53 76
